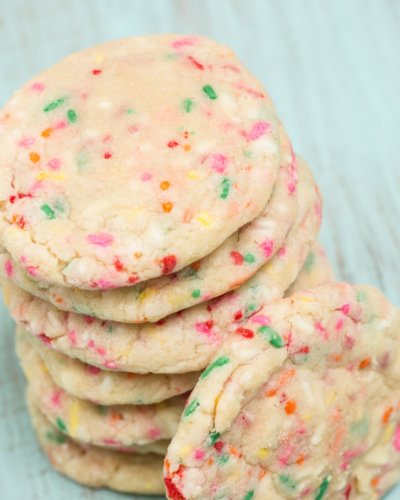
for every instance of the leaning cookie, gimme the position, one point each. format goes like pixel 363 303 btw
pixel 105 387
pixel 302 402
pixel 183 342
pixel 120 159
pixel 95 467
pixel 232 263
pixel 131 428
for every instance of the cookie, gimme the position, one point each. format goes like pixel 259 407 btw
pixel 133 159
pixel 317 270
pixel 302 402
pixel 130 428
pixel 95 467
pixel 185 341
pixel 105 387
pixel 236 260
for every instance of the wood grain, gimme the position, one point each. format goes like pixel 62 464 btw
pixel 332 70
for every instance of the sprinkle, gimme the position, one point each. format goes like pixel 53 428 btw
pixel 286 480
pixel 187 148
pixel 249 495
pixel 46 133
pixel 220 162
pixel 267 248
pixel 96 71
pixel 27 142
pixel 188 105
pixel 164 185
pixel 167 207
pixel 258 130
pixel 386 416
pixel 54 163
pixel 225 188
pixel 195 63
pixel 53 105
pixel 71 115
pixel 397 438
pixel 323 488
pixel 107 155
pixel 168 264
pixel 184 41
pixel 219 446
pixel 245 332
pixel 61 425
pixel 213 438
pixel 237 258
pixel 146 176
pixel 364 363
pixel 263 453
pixel 56 438
pixel 205 219
pixel 74 420
pixel 196 294
pixel 249 258
pixel 217 363
pixel 93 370
pixel 8 267
pixel 290 407
pixel 191 408
pixel 101 239
pixel 41 176
pixel 210 92
pixel 34 157
pixel 272 336
pixel 172 144
pixel 48 211
pixel 37 86
pixel 280 382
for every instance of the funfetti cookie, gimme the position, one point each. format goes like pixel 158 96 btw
pixel 106 387
pixel 133 159
pixel 96 467
pixel 130 428
pixel 236 260
pixel 303 401
pixel 185 341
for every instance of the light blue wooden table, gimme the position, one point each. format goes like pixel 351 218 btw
pixel 332 69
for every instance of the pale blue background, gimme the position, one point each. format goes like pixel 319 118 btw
pixel 332 69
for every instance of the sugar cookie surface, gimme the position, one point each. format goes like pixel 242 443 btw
pixel 132 159
pixel 302 402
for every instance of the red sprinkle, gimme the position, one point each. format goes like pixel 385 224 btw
pixel 118 264
pixel 245 332
pixel 195 63
pixel 96 71
pixel 237 258
pixel 172 144
pixel 44 338
pixel 168 263
pixel 238 315
pixel 132 279
pixel 172 491
pixel 107 155
pixel 218 446
pixel 12 199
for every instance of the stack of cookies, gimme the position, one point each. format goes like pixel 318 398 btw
pixel 152 205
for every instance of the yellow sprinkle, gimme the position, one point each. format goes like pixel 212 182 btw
pixel 74 419
pixel 205 219
pixel 305 299
pixel 193 174
pixel 185 450
pixel 263 453
pixel 233 477
pixel 44 368
pixel 387 436
pixel 148 486
pixel 149 292
pixel 41 176
pixel 127 352
pixel 308 416
pixel 331 397
pixel 99 58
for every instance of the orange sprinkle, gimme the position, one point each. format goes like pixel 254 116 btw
pixel 210 462
pixel 281 381
pixel 233 451
pixel 290 406
pixel 187 147
pixel 386 416
pixel 364 363
pixel 59 300
pixel 195 265
pixel 337 441
pixel 5 118
pixel 261 474
pixel 335 357
pixel 167 465
pixel 187 216
pixel 300 460
pixel 46 133
pixel 375 481
pixel 117 416
pixel 164 185
pixel 34 157
pixel 167 207
pixel 138 255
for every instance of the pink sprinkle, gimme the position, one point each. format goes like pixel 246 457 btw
pixel 291 187
pixel 220 162
pixel 44 339
pixel 199 455
pixel 89 319
pixel 146 176
pixel 104 284
pixel 321 330
pixel 262 319
pixel 258 130
pixel 59 125
pixel 154 433
pixel 183 42
pixel 206 297
pixel 345 309
pixel 112 365
pixel 204 327
pixel 282 252
pixel 317 210
pixel 132 128
pixel 101 239
pixel 286 453
pixel 93 370
pixel 397 438
pixel 27 142
pixel 354 453
pixel 54 163
pixel 56 399
pixel 32 270
pixel 306 492
pixel 9 269
pixel 345 465
pixel 339 325
pixel 72 337
pixel 267 248
pixel 39 87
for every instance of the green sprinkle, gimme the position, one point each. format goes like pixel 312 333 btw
pixel 249 495
pixel 219 362
pixel 188 105
pixel 130 111
pixel 248 154
pixel 196 294
pixel 192 132
pixel 249 258
pixel 223 459
pixel 226 184
pixel 171 56
pixel 191 408
pixel 48 211
pixel 180 129
pixel 273 337
pixel 210 92
pixel 213 438
pixel 251 307
pixel 360 428
pixel 82 161
pixel 61 425
pixel 110 329
pixel 287 482
pixel 323 488
pixel 53 105
pixel 71 115
pixel 56 438
pixel 309 263
pixel 361 296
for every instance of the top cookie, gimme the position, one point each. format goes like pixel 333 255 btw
pixel 133 159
